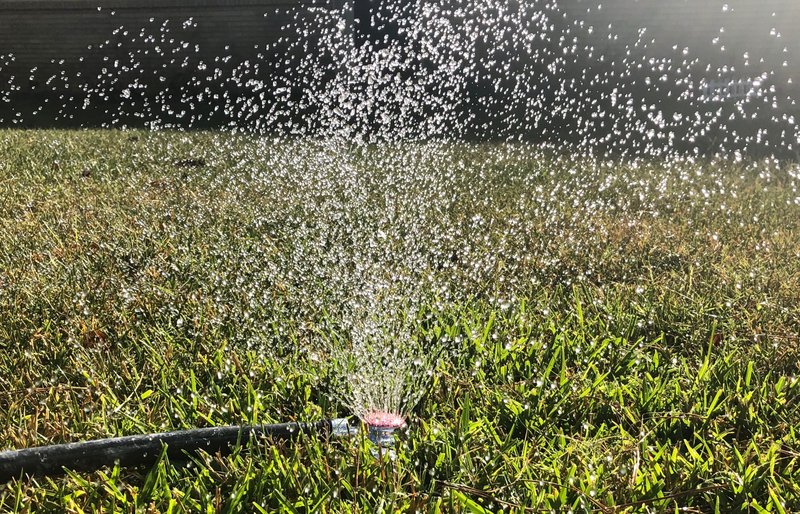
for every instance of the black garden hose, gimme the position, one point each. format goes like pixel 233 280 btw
pixel 139 450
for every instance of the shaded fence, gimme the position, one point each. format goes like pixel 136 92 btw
pixel 147 54
pixel 659 52
pixel 42 33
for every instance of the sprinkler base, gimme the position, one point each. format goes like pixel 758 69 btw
pixel 381 427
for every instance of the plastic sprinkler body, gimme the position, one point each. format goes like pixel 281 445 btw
pixel 381 427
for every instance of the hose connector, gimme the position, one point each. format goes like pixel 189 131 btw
pixel 342 428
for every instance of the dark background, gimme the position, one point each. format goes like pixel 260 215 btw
pixel 139 60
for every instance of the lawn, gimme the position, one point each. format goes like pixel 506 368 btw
pixel 587 334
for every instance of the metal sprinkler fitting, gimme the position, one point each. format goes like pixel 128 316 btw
pixel 381 427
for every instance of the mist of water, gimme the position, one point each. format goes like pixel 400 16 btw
pixel 379 219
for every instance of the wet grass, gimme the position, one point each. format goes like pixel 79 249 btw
pixel 631 346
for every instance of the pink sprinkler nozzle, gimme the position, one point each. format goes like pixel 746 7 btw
pixel 381 426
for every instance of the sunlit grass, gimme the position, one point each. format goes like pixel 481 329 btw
pixel 620 337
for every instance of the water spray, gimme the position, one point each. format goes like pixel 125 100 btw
pixel 141 450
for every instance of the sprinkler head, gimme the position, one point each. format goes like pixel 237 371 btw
pixel 381 427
